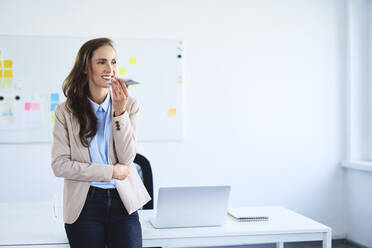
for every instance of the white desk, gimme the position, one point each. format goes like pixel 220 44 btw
pixel 35 224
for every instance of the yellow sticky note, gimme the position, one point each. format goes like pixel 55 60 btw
pixel 132 60
pixel 8 73
pixel 53 116
pixel 1 73
pixel 172 112
pixel 8 63
pixel 122 71
pixel 8 83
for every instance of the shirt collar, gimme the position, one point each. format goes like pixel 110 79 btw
pixel 105 105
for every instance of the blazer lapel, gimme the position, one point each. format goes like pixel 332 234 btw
pixel 112 157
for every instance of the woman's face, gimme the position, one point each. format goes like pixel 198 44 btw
pixel 102 67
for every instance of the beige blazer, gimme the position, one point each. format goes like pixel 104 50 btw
pixel 71 160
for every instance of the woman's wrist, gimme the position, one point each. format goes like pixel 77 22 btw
pixel 115 114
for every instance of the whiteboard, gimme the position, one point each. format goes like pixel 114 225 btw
pixel 33 68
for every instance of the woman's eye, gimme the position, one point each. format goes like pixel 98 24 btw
pixel 114 62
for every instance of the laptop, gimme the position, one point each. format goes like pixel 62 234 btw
pixel 191 206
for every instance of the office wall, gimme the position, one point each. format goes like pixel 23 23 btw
pixel 359 214
pixel 358 184
pixel 264 97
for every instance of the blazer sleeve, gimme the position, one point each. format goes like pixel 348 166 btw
pixel 63 165
pixel 125 133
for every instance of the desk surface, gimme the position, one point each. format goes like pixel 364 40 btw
pixel 35 223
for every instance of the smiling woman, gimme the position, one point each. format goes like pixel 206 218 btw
pixel 84 154
pixel 103 68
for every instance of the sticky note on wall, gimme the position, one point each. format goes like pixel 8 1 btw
pixel 8 63
pixel 132 60
pixel 1 73
pixel 172 112
pixel 53 106
pixel 8 73
pixel 27 106
pixel 54 97
pixel 122 71
pixel 35 106
pixel 8 83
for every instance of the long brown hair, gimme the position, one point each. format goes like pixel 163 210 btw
pixel 76 89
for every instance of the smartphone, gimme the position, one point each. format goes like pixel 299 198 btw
pixel 127 82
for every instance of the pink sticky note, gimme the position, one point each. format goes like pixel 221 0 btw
pixel 35 106
pixel 27 106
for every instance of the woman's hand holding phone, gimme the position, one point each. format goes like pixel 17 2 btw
pixel 119 96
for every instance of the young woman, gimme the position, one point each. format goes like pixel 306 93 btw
pixel 93 125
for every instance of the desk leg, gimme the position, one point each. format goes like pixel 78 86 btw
pixel 280 245
pixel 327 240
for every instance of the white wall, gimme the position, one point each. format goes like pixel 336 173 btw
pixel 358 184
pixel 358 75
pixel 359 214
pixel 264 97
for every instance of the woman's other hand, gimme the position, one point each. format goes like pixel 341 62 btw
pixel 121 171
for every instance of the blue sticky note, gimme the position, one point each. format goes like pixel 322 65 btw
pixel 54 97
pixel 53 106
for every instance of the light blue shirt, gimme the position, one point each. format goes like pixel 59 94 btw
pixel 99 146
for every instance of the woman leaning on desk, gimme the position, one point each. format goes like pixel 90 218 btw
pixel 94 124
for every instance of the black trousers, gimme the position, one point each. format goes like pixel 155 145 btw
pixel 103 222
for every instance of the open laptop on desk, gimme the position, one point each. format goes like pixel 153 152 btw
pixel 191 206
